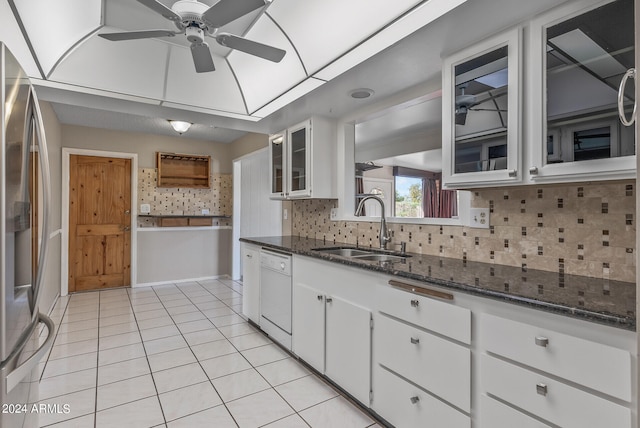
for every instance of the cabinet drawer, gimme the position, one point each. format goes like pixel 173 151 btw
pixel 494 414
pixel 405 405
pixel 174 222
pixel 550 399
pixel 594 365
pixel 438 365
pixel 200 221
pixel 440 317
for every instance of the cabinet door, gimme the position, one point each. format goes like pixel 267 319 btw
pixel 299 152
pixel 575 133
pixel 308 325
pixel 348 347
pixel 481 113
pixel 277 165
pixel 251 282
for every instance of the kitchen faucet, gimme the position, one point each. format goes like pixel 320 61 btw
pixel 384 231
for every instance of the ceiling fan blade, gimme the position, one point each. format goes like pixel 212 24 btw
pixel 202 58
pixel 163 10
pixel 249 46
pixel 133 35
pixel 226 11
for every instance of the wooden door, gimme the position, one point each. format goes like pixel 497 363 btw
pixel 99 223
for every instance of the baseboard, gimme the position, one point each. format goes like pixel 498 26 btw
pixel 180 281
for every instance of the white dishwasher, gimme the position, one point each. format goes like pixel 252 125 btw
pixel 275 296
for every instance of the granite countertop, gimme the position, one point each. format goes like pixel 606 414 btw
pixel 592 299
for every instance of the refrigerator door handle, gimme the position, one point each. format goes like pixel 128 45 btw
pixel 36 115
pixel 20 372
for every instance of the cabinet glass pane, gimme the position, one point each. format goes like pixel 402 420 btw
pixel 586 58
pixel 481 89
pixel 277 164
pixel 299 160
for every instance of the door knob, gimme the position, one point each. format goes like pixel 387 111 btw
pixel 126 228
pixel 127 211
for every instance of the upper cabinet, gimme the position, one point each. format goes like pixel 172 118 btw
pixel 481 109
pixel 577 59
pixel 302 161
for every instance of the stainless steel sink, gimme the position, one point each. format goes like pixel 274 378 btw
pixel 381 258
pixel 344 252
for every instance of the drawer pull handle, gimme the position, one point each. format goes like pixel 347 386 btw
pixel 542 341
pixel 415 341
pixel 415 303
pixel 420 290
pixel 329 299
pixel 320 297
pixel 415 399
pixel 541 389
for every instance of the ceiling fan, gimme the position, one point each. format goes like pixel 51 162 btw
pixel 466 103
pixel 197 20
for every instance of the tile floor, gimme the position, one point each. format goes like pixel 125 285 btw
pixel 178 356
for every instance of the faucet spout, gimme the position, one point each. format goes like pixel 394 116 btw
pixel 384 231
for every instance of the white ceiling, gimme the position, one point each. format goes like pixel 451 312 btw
pixel 333 46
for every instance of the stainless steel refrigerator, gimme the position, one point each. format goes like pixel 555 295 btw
pixel 25 334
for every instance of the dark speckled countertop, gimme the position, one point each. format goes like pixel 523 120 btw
pixel 592 299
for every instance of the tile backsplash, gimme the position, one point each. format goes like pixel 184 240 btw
pixel 183 200
pixel 584 229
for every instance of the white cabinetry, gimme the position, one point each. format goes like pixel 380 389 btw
pixel 332 324
pixel 251 282
pixel 303 159
pixel 565 380
pixel 420 353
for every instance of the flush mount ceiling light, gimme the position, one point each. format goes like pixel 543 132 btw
pixel 361 93
pixel 180 126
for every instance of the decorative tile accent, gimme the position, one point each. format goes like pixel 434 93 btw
pixel 559 228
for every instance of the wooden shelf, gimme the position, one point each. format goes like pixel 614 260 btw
pixel 178 170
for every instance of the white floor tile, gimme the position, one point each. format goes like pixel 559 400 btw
pixel 119 340
pixel 188 317
pixel 282 371
pixel 118 319
pixel 217 417
pixel 217 312
pixel 337 412
pixel 112 312
pixel 213 349
pixel 203 336
pixel 179 377
pixel 77 326
pixel 70 364
pixel 113 330
pixel 123 353
pixel 225 365
pixel 80 403
pixel 189 327
pixel 125 391
pixel 177 310
pixel 191 399
pixel 248 341
pixel 167 360
pixel 76 336
pixel 177 301
pixel 165 344
pixel 264 354
pixel 147 315
pixel 227 320
pixel 67 383
pixel 144 307
pixel 159 332
pixel 259 409
pixel 123 370
pixel 306 392
pixel 82 421
pixel 74 348
pixel 146 300
pixel 76 317
pixel 142 413
pixel 155 322
pixel 293 421
pixel 238 385
pixel 237 330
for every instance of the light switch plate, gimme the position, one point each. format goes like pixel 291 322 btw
pixel 334 214
pixel 479 218
pixel 285 214
pixel 145 208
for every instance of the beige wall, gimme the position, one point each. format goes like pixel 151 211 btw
pixel 146 145
pixel 248 144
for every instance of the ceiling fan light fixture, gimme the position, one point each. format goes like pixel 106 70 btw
pixel 180 126
pixel 361 93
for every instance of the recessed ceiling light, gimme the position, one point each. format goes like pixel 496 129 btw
pixel 361 93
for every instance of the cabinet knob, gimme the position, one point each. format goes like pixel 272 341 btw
pixel 533 170
pixel 415 340
pixel 542 341
pixel 541 389
pixel 320 297
pixel 249 256
pixel 329 300
pixel 415 303
pixel 513 173
pixel 414 400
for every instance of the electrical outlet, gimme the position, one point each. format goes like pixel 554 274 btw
pixel 285 214
pixel 145 208
pixel 205 211
pixel 334 214
pixel 479 218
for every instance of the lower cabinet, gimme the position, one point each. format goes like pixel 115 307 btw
pixel 308 325
pixel 251 282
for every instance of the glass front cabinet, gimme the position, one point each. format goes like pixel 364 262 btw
pixel 302 160
pixel 481 113
pixel 579 56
